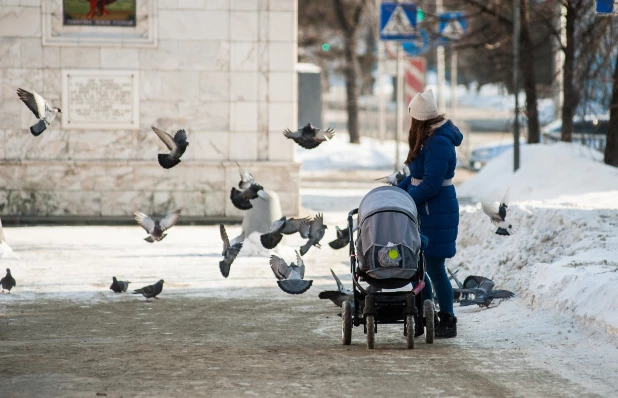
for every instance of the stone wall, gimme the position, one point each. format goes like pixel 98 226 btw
pixel 222 69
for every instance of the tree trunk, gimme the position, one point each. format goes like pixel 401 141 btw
pixel 570 97
pixel 611 146
pixel 529 77
pixel 351 83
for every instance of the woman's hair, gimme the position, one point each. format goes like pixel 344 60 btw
pixel 419 131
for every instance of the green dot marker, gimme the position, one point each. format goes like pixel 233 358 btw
pixel 393 254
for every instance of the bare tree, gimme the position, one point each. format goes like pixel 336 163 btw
pixel 528 74
pixel 611 146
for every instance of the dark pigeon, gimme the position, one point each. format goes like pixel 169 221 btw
pixel 119 286
pixel 290 277
pixel 497 215
pixel 40 108
pixel 8 282
pixel 230 250
pixel 343 236
pixel 396 177
pixel 309 137
pixel 316 233
pixel 157 228
pixel 482 289
pixel 241 199
pixel 339 296
pixel 283 226
pixel 177 146
pixel 151 291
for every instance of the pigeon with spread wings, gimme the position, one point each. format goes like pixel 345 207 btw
pixel 343 236
pixel 316 233
pixel 284 226
pixel 177 145
pixel 230 250
pixel 482 289
pixel 290 277
pixel 309 137
pixel 41 109
pixel 497 215
pixel 156 228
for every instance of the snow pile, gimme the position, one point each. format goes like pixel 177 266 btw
pixel 252 247
pixel 6 251
pixel 564 257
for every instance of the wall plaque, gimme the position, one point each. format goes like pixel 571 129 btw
pixel 100 99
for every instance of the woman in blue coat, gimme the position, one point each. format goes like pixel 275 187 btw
pixel 432 162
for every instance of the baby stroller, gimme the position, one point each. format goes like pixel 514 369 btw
pixel 390 256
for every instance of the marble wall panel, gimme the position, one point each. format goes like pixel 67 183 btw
pixel 20 21
pixel 186 54
pixel 244 5
pixel 32 53
pixel 80 57
pixel 81 203
pixel 105 176
pixel 100 145
pixel 244 86
pixel 29 203
pixel 283 5
pixel 244 117
pixel 244 25
pixel 243 146
pixel 10 52
pixel 214 203
pixel 263 29
pixel 52 87
pixel 279 147
pixel 190 23
pixel 57 176
pixel 11 175
pixel 282 115
pixel 282 56
pixel 52 144
pixel 167 4
pixel 146 145
pixel 119 58
pixel 204 116
pixel 215 86
pixel 169 86
pixel 125 203
pixel 281 26
pixel 51 57
pixel 208 146
pixel 243 56
pixel 10 111
pixel 162 114
pixel 190 177
pixel 28 79
pixel 191 203
pixel 278 176
pixel 282 86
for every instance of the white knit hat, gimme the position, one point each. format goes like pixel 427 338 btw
pixel 423 106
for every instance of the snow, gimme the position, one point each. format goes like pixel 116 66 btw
pixel 6 251
pixel 564 258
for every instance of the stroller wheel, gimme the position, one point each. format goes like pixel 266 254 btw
pixel 371 331
pixel 346 323
pixel 428 313
pixel 410 330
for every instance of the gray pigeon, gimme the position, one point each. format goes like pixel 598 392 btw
pixel 157 228
pixel 40 108
pixel 283 226
pixel 119 286
pixel 8 282
pixel 316 233
pixel 246 178
pixel 343 236
pixel 290 277
pixel 396 177
pixel 151 291
pixel 482 289
pixel 230 250
pixel 241 199
pixel 497 215
pixel 338 296
pixel 177 146
pixel 309 137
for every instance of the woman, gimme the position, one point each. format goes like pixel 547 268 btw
pixel 432 161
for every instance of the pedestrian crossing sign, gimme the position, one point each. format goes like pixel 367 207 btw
pixel 398 21
pixel 452 26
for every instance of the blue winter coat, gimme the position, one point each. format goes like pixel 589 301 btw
pixel 437 205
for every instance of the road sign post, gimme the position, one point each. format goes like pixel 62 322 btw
pixel 516 83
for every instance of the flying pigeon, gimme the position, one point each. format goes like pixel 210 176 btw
pixel 40 108
pixel 285 226
pixel 309 137
pixel 396 177
pixel 241 199
pixel 482 289
pixel 150 291
pixel 246 178
pixel 343 236
pixel 230 250
pixel 177 146
pixel 338 296
pixel 290 277
pixel 497 215
pixel 8 282
pixel 157 228
pixel 119 286
pixel 316 233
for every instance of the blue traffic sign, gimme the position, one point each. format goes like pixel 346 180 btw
pixel 418 46
pixel 606 7
pixel 398 21
pixel 452 26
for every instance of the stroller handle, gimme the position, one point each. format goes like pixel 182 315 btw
pixel 350 231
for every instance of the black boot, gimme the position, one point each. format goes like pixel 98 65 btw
pixel 447 327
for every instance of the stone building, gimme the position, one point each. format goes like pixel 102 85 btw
pixel 224 70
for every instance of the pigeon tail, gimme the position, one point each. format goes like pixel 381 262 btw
pixel 166 161
pixel 224 268
pixel 238 201
pixel 338 243
pixel 270 241
pixel 38 128
pixel 295 286
pixel 305 248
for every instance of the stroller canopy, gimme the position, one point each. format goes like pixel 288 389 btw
pixel 386 198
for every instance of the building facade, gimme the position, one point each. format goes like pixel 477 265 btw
pixel 223 70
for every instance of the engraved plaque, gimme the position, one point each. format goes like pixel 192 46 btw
pixel 100 99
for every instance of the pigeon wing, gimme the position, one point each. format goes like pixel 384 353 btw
pixel 224 238
pixel 340 286
pixel 491 209
pixel 238 200
pixel 317 224
pixel 238 241
pixel 500 294
pixel 507 196
pixel 289 134
pixel 33 101
pixel 301 266
pixel 280 268
pixel 167 139
pixel 454 276
pixel 293 225
pixel 390 179
pixel 145 221
pixel 246 178
pixel 304 229
pixel 180 136
pixel 169 220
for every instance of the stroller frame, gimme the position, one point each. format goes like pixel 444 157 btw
pixel 372 308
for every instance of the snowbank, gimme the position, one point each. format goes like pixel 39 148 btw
pixel 6 251
pixel 564 257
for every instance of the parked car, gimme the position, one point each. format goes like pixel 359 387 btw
pixel 590 131
pixel 484 153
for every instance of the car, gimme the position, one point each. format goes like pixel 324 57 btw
pixel 484 153
pixel 590 131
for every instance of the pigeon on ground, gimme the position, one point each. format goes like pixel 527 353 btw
pixel 316 233
pixel 453 276
pixel 396 177
pixel 157 228
pixel 290 277
pixel 8 282
pixel 497 215
pixel 177 146
pixel 40 108
pixel 119 286
pixel 151 291
pixel 230 250
pixel 482 289
pixel 241 199
pixel 343 236
pixel 338 296
pixel 309 136
pixel 287 226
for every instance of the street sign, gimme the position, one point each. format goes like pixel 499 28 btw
pixel 607 7
pixel 415 68
pixel 398 21
pixel 452 26
pixel 418 46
